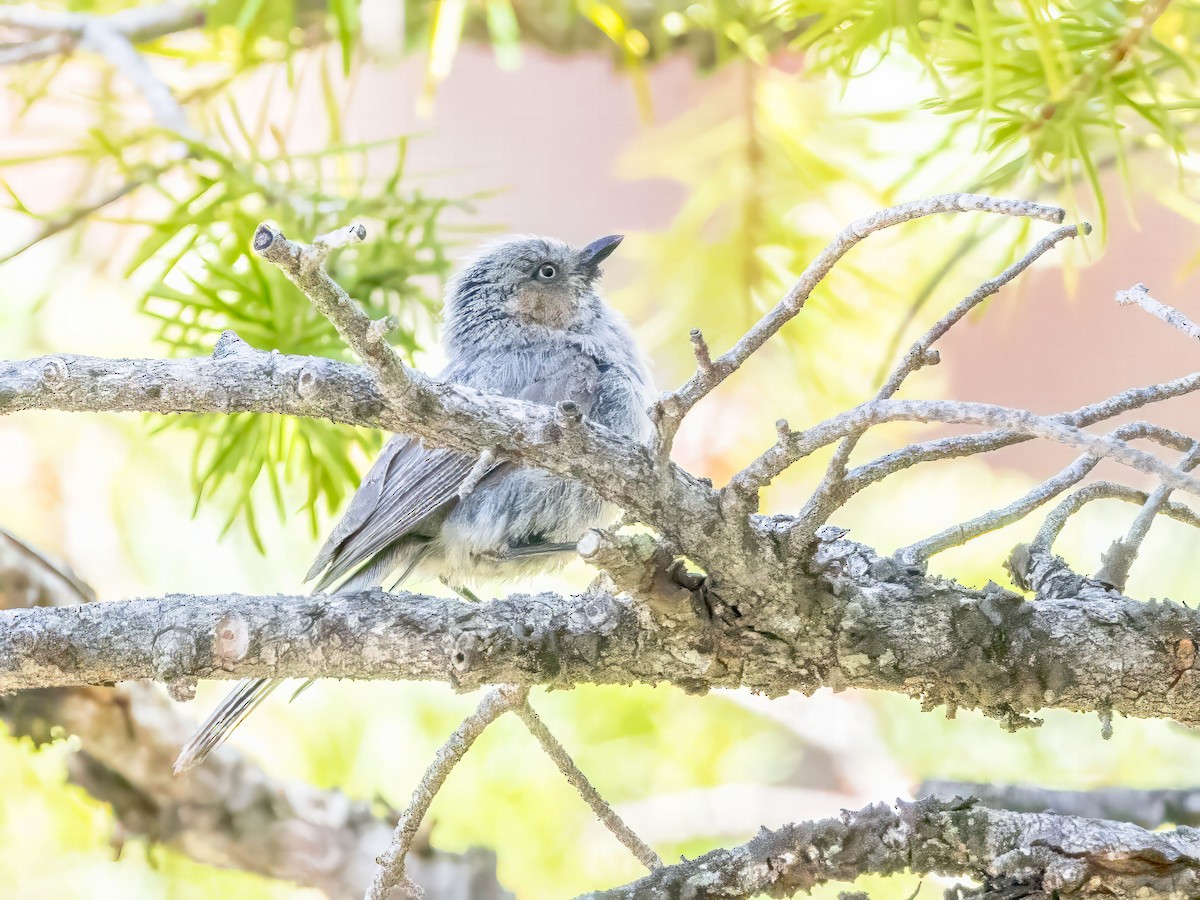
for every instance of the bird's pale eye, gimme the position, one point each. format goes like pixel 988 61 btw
pixel 547 272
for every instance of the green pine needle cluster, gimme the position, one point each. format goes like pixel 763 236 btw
pixel 207 281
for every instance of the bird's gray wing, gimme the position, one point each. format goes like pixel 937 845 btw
pixel 409 482
pixel 405 485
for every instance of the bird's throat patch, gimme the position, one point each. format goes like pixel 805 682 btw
pixel 550 307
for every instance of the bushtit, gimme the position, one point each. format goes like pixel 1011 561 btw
pixel 523 320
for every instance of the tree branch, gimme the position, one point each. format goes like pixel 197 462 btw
pixel 1139 295
pixel 918 553
pixel 1034 566
pixel 671 408
pixel 1013 854
pixel 391 872
pixel 855 620
pixel 1145 808
pixel 971 445
pixel 240 379
pixel 304 265
pixel 1123 552
pixel 230 813
pixel 605 813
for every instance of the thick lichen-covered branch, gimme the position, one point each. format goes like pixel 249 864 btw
pixel 1012 854
pixel 1146 808
pixel 852 620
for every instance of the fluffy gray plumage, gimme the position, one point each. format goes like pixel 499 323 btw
pixel 522 320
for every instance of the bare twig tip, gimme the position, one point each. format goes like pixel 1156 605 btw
pixel 700 347
pixel 264 236
pixel 379 329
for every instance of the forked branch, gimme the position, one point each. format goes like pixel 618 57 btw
pixel 672 407
pixel 391 872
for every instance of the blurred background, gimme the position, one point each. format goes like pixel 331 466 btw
pixel 729 141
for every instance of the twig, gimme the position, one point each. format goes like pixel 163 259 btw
pixel 798 445
pixel 1100 490
pixel 391 874
pixel 916 554
pixel 605 813
pixel 1139 295
pixel 970 445
pixel 1034 567
pixel 1122 554
pixel 672 407
pixel 824 500
pixel 303 264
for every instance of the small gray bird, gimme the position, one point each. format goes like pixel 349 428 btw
pixel 523 320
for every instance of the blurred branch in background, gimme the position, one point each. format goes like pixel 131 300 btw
pixel 230 813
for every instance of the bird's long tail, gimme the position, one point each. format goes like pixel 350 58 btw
pixel 238 704
pixel 248 694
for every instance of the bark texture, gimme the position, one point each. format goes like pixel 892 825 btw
pixel 854 620
pixel 1038 857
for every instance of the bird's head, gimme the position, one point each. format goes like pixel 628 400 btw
pixel 527 281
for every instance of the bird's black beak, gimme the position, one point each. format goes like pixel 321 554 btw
pixel 598 251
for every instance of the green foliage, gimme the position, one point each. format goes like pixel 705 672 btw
pixel 1059 92
pixel 199 206
pixel 206 280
